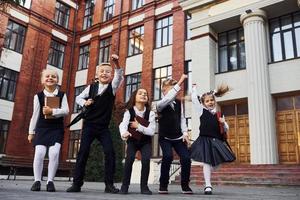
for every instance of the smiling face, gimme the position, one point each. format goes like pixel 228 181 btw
pixel 49 78
pixel 141 96
pixel 105 73
pixel 209 101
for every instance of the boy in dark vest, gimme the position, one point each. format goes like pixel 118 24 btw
pixel 173 134
pixel 96 122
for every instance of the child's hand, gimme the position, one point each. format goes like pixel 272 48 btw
pixel 115 60
pixel 30 137
pixel 47 110
pixel 182 78
pixel 126 135
pixel 186 139
pixel 134 124
pixel 89 102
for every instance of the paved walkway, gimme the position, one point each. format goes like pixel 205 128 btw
pixel 20 190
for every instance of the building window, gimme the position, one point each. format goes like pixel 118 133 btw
pixel 133 82
pixel 188 33
pixel 188 72
pixel 104 53
pixel 78 91
pixel 164 32
pixel 231 51
pixel 88 14
pixel 160 74
pixel 62 14
pixel 137 4
pixel 4 126
pixel 108 11
pixel 136 41
pixel 56 54
pixel 14 36
pixel 84 53
pixel 74 144
pixel 285 37
pixel 8 83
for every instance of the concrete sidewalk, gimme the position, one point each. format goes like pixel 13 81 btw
pixel 20 190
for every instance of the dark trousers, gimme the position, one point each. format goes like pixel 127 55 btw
pixel 132 148
pixel 185 160
pixel 103 135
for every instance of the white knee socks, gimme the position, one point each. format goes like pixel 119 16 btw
pixel 207 174
pixel 38 162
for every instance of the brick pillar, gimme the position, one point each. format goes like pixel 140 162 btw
pixel 94 43
pixel 149 36
pixel 178 48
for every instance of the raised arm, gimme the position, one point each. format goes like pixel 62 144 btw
pixel 118 75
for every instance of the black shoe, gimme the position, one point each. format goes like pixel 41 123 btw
pixel 111 189
pixel 74 188
pixel 124 189
pixel 186 189
pixel 145 190
pixel 163 190
pixel 50 186
pixel 208 190
pixel 36 186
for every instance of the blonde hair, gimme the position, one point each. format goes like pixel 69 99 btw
pixel 45 71
pixel 169 82
pixel 221 90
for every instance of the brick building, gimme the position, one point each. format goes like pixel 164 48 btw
pixel 157 39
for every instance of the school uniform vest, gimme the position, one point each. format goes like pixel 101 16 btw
pixel 145 138
pixel 170 121
pixel 49 123
pixel 101 110
pixel 209 126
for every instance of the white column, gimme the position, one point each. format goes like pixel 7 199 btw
pixel 263 144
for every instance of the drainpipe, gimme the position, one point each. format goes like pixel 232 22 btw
pixel 119 28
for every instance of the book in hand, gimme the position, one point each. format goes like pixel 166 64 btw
pixel 136 134
pixel 52 102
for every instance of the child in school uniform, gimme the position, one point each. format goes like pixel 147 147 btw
pixel 137 106
pixel 210 148
pixel 173 134
pixel 47 133
pixel 96 123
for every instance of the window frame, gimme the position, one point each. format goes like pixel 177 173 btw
pixel 88 14
pixel 74 140
pixel 136 5
pixel 55 61
pixel 227 45
pixel 136 38
pixel 3 134
pixel 10 81
pixel 9 34
pixel 138 77
pixel 108 10
pixel 104 45
pixel 161 79
pixel 59 12
pixel 281 32
pixel 188 82
pixel 161 28
pixel 82 55
pixel 77 91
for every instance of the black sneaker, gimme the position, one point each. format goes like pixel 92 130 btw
pixel 163 190
pixel 50 186
pixel 74 188
pixel 124 189
pixel 111 189
pixel 145 190
pixel 36 186
pixel 186 189
pixel 208 190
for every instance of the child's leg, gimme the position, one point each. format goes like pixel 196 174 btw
pixel 207 174
pixel 130 157
pixel 167 159
pixel 146 155
pixel 38 162
pixel 53 161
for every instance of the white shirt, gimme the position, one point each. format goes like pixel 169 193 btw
pixel 116 82
pixel 150 130
pixel 199 107
pixel 169 99
pixel 56 112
